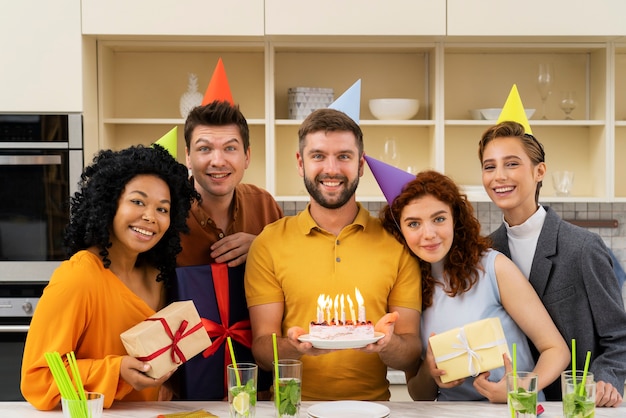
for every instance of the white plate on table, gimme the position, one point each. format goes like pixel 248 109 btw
pixel 348 409
pixel 339 344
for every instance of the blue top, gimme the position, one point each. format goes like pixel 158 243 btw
pixel 482 301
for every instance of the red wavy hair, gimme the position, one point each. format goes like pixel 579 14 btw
pixel 461 266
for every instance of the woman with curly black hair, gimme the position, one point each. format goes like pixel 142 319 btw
pixel 464 281
pixel 123 238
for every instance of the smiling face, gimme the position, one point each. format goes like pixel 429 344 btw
pixel 428 228
pixel 331 167
pixel 510 178
pixel 142 216
pixel 217 159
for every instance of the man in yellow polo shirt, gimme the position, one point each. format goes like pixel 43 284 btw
pixel 330 248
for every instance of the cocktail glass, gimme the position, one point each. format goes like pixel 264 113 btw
pixel 522 394
pixel 579 401
pixel 242 387
pixel 289 388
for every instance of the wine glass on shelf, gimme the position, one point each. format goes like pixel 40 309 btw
pixel 390 152
pixel 545 81
pixel 568 103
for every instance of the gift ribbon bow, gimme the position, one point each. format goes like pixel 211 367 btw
pixel 239 331
pixel 176 353
pixel 472 355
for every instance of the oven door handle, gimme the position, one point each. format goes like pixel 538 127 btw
pixel 14 328
pixel 30 160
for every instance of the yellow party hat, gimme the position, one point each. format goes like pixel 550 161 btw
pixel 513 110
pixel 169 141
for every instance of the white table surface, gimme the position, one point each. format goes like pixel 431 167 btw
pixel 266 409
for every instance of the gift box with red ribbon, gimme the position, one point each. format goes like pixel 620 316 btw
pixel 168 338
pixel 469 350
pixel 218 292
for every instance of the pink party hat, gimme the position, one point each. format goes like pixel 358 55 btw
pixel 169 141
pixel 350 102
pixel 390 179
pixel 513 110
pixel 218 88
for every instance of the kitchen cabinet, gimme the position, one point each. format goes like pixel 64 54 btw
pixel 165 17
pixel 41 48
pixel 355 17
pixel 536 18
pixel 140 83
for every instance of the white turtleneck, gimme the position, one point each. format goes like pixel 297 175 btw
pixel 523 240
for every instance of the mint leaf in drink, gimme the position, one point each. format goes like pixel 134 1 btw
pixel 523 402
pixel 289 393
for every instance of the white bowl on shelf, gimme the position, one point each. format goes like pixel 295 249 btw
pixel 493 113
pixel 394 109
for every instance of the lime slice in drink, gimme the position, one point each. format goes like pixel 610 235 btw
pixel 241 403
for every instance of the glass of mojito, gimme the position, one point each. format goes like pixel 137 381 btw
pixel 242 385
pixel 579 401
pixel 522 394
pixel 289 388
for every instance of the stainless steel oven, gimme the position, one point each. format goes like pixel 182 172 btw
pixel 41 158
pixel 17 304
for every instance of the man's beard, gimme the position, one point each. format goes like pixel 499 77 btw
pixel 346 194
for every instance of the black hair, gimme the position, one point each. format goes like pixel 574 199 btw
pixel 94 205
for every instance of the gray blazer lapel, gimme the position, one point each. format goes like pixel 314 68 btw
pixel 546 248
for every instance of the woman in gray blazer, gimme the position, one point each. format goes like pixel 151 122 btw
pixel 569 267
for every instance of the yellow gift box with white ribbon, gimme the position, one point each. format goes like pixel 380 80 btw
pixel 469 350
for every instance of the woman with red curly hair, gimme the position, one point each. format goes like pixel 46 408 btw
pixel 463 281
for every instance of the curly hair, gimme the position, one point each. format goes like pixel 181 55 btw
pixel 94 205
pixel 461 265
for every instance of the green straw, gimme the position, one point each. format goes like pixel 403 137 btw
pixel 582 383
pixel 64 383
pixel 78 382
pixel 276 386
pixel 232 357
pixel 514 375
pixel 574 358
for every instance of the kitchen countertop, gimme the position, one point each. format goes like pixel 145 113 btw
pixel 266 409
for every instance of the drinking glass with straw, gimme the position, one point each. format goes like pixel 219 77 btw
pixel 74 399
pixel 578 389
pixel 242 386
pixel 521 391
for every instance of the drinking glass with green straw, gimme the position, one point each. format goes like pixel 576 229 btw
pixel 64 383
pixel 276 384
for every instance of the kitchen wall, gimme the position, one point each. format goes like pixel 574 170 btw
pixel 490 218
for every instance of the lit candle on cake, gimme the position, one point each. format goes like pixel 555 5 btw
pixel 329 303
pixel 353 317
pixel 336 306
pixel 343 312
pixel 359 300
pixel 320 309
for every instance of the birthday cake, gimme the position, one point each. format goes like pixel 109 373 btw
pixel 339 331
pixel 337 327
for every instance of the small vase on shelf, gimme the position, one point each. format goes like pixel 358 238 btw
pixel 191 98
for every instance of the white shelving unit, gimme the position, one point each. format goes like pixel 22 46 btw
pixel 140 83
